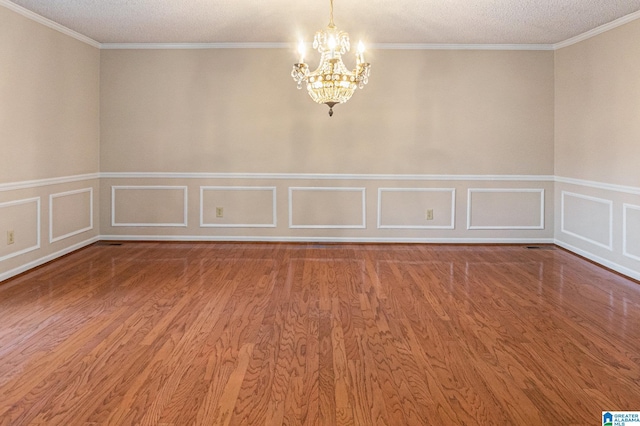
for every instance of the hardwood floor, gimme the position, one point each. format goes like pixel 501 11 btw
pixel 253 334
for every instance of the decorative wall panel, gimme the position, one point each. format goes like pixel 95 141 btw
pixel 242 207
pixel 22 218
pixel 587 218
pixel 408 208
pixel 327 208
pixel 70 213
pixel 162 206
pixel 505 208
pixel 631 231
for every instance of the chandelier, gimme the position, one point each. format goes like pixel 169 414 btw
pixel 331 83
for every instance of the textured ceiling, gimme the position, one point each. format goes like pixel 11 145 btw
pixel 375 21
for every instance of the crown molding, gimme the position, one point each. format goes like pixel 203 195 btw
pixel 598 30
pixel 49 23
pixel 446 46
pixel 377 46
pixel 187 46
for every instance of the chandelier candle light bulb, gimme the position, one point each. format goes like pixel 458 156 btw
pixel 301 51
pixel 360 53
pixel 332 46
pixel 331 83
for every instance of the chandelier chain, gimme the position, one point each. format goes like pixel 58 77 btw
pixel 331 24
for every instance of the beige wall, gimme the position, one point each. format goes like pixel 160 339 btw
pixel 598 108
pixel 49 107
pixel 597 148
pixel 207 114
pixel 49 132
pixel 237 110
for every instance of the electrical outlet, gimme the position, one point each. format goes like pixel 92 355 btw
pixel 219 211
pixel 11 238
pixel 429 214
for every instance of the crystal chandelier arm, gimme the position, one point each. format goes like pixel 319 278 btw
pixel 300 73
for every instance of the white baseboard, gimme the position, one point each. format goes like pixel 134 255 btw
pixel 187 238
pixel 600 260
pixel 45 259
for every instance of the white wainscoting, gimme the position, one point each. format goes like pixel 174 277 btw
pixel 321 205
pixel 599 221
pixel 89 212
pixel 522 201
pixel 335 208
pixel 580 225
pixel 631 231
pixel 249 202
pixel 36 202
pixel 623 259
pixel 450 193
pixel 156 190
pixel 62 193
